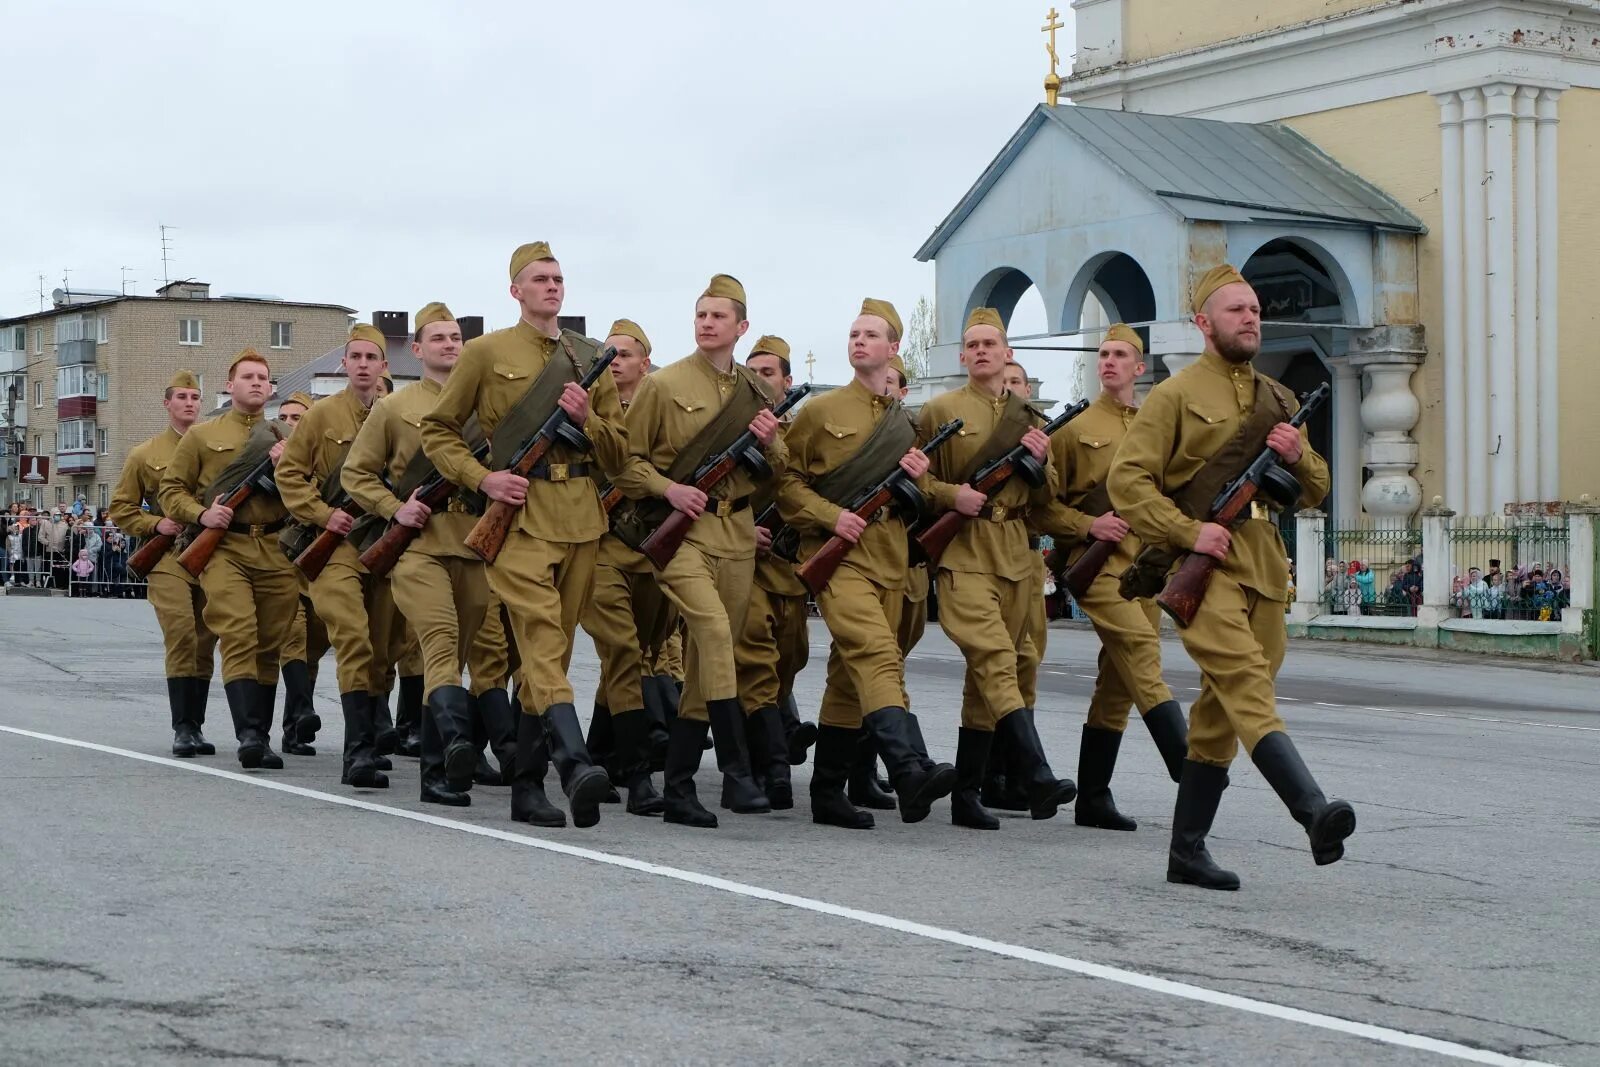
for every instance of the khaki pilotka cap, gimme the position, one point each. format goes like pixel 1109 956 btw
pixel 885 311
pixel 1211 281
pixel 727 287
pixel 985 317
pixel 532 252
pixel 248 355
pixel 772 345
pixel 303 399
pixel 362 331
pixel 433 312
pixel 1121 331
pixel 629 328
pixel 184 379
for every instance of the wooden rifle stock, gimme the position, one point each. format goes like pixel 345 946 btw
pixel 488 534
pixel 1088 566
pixel 665 540
pixel 194 558
pixel 610 497
pixel 318 553
pixel 143 561
pixel 381 556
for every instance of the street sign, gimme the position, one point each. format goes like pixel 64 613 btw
pixel 34 470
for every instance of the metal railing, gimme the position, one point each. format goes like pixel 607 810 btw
pixel 91 561
pixel 1371 569
pixel 1510 568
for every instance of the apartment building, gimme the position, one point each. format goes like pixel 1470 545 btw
pixel 89 373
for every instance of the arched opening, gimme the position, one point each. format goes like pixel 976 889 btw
pixel 1013 294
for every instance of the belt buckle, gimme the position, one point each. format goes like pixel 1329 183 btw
pixel 455 507
pixel 1258 510
pixel 258 529
pixel 997 513
pixel 558 472
pixel 724 508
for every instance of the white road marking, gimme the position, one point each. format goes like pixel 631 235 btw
pixel 1483 718
pixel 1085 968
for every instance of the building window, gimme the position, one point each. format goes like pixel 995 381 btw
pixel 19 338
pixel 38 394
pixel 74 381
pixel 77 435
pixel 189 331
pixel 61 494
pixel 69 328
pixel 281 334
pixel 36 440
pixel 100 330
pixel 102 386
pixel 102 496
pixel 38 340
pixel 104 443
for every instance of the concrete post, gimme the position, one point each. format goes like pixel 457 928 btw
pixel 1310 533
pixel 1582 521
pixel 1436 570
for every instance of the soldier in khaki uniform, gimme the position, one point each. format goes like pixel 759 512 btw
pixel 355 606
pixel 985 577
pixel 1130 634
pixel 250 588
pixel 494 664
pixel 1220 406
pixel 174 593
pixel 709 578
pixel 439 584
pixel 862 602
pixel 545 569
pixel 308 638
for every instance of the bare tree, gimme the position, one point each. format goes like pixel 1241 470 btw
pixel 918 339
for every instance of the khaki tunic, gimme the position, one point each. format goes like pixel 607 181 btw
pixel 250 587
pixel 174 593
pixel 986 577
pixel 1238 635
pixel 544 573
pixel 439 584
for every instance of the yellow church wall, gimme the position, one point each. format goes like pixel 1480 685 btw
pixel 1153 28
pixel 1579 359
pixel 1395 145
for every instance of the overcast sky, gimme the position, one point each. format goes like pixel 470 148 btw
pixel 384 155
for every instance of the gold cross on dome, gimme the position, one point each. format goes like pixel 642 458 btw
pixel 1052 81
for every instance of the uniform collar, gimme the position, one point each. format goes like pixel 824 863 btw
pixel 247 421
pixel 710 368
pixel 431 386
pixel 529 332
pixel 983 394
pixel 1217 365
pixel 1107 402
pixel 876 399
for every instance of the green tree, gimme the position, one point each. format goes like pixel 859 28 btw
pixel 918 339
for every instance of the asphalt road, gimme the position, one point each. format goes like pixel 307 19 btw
pixel 162 911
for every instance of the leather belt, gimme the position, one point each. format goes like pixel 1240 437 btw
pixel 1258 510
pixel 723 508
pixel 457 507
pixel 558 472
pixel 1002 513
pixel 257 529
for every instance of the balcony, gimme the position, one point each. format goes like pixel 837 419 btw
pixel 75 407
pixel 78 461
pixel 13 362
pixel 75 353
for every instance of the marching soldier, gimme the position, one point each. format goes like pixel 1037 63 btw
pixel 1196 431
pixel 842 443
pixel 308 638
pixel 438 583
pixel 544 571
pixel 1129 630
pixel 985 577
pixel 494 664
pixel 250 588
pixel 682 415
pixel 174 593
pixel 773 645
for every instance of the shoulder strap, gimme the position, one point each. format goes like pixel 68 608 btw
pixel 1194 498
pixel 529 413
pixel 1017 419
pixel 894 435
pixel 723 429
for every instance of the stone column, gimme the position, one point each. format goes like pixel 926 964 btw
pixel 1453 257
pixel 1500 279
pixel 1178 344
pixel 1527 272
pixel 1549 230
pixel 1346 441
pixel 1474 322
pixel 1436 570
pixel 1310 534
pixel 1389 355
pixel 1582 519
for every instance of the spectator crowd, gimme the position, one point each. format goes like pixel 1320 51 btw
pixel 66 547
pixel 1532 592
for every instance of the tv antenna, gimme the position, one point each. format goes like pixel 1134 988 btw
pixel 166 255
pixel 125 271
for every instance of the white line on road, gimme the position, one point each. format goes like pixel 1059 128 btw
pixel 1484 718
pixel 1085 968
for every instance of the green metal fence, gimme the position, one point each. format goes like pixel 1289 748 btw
pixel 1371 569
pixel 1511 568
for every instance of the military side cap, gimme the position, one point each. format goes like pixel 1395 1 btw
pixel 184 379
pixel 1211 281
pixel 900 365
pixel 303 399
pixel 629 328
pixel 885 311
pixel 1121 331
pixel 529 253
pixel 726 286
pixel 434 312
pixel 248 355
pixel 984 317
pixel 771 344
pixel 362 331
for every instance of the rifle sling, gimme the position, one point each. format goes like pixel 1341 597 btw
pixel 868 465
pixel 263 435
pixel 537 404
pixel 1016 419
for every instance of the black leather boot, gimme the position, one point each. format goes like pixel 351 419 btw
pixel 972 763
pixel 1001 789
pixel 1327 822
pixel 631 729
pixel 864 790
pixel 601 738
pixel 769 756
pixel 740 791
pixel 384 737
pixel 917 786
pixel 1170 733
pixel 266 704
pixel 199 694
pixel 436 787
pixel 584 783
pixel 529 803
pixel 799 735
pixel 298 708
pixel 450 709
pixel 1200 787
pixel 241 705
pixel 408 716
pixel 182 732
pixel 830 806
pixel 360 766
pixel 1097 759
pixel 661 712
pixel 680 804
pixel 498 723
pixel 1046 792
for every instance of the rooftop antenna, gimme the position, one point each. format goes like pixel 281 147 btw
pixel 41 292
pixel 65 284
pixel 166 253
pixel 125 271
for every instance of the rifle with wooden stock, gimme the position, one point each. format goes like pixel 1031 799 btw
pixel 817 571
pixel 150 552
pixel 194 558
pixel 989 480
pixel 665 540
pixel 320 551
pixel 1081 575
pixel 489 532
pixel 1187 587
pixel 610 497
pixel 435 493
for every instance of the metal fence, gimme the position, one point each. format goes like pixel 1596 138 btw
pixel 1512 568
pixel 91 561
pixel 1371 569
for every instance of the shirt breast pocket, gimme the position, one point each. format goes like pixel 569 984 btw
pixel 685 417
pixel 1206 428
pixel 837 432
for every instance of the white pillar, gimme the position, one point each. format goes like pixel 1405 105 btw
pixel 1178 344
pixel 1581 519
pixel 1527 284
pixel 1436 523
pixel 1474 293
pixel 1310 531
pixel 1549 229
pixel 1389 355
pixel 1501 279
pixel 1346 441
pixel 1093 323
pixel 1455 383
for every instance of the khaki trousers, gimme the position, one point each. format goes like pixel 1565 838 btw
pixel 444 599
pixel 545 587
pixel 711 594
pixel 179 604
pixel 251 589
pixel 865 669
pixel 609 621
pixel 1130 654
pixel 986 616
pixel 492 657
pixel 1237 639
pixel 359 613
pixel 773 647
